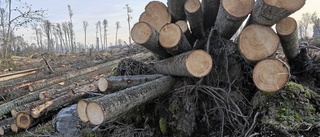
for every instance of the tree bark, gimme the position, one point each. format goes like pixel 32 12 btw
pixel 184 28
pixel 122 82
pixel 176 8
pixel 172 38
pixel 156 15
pixel 17 75
pixel 210 10
pixel 26 108
pixel 258 42
pixel 195 17
pixel 14 127
pixel 112 105
pixel 143 34
pixel 269 12
pixel 82 106
pixel 271 75
pixel 17 72
pixel 288 32
pixel 5 125
pixel 197 63
pixel 231 15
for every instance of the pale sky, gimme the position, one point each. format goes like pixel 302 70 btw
pixel 112 10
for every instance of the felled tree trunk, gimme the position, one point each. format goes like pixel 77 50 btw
pixel 82 106
pixel 24 120
pixel 269 12
pixel 112 105
pixel 5 125
pixel 17 72
pixel 195 17
pixel 26 108
pixel 176 8
pixel 231 15
pixel 210 10
pixel 122 82
pixel 271 75
pixel 172 38
pixel 184 28
pixel 143 34
pixel 257 42
pixel 156 15
pixel 17 75
pixel 288 31
pixel 197 63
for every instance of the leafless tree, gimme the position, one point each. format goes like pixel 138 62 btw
pixel 117 28
pixel 316 24
pixel 65 29
pixel 60 34
pixel 85 25
pixel 129 10
pixel 105 25
pixel 100 34
pixel 47 29
pixel 72 40
pixel 303 25
pixel 97 31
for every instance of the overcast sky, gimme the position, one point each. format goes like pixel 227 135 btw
pixel 112 10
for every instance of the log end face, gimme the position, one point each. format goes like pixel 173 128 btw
pixel 81 109
pixel 30 88
pixel 102 84
pixel 286 4
pixel 286 26
pixel 199 63
pixel 191 6
pixel 1 131
pixel 170 35
pixel 238 8
pixel 95 113
pixel 14 128
pixel 141 32
pixel 14 112
pixel 23 120
pixel 257 42
pixel 271 75
pixel 183 25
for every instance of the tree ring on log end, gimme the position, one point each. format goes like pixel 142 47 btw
pixel 155 5
pixel 30 88
pixel 258 42
pixel 199 63
pixel 192 6
pixel 23 120
pixel 102 84
pixel 14 128
pixel 183 25
pixel 81 109
pixel 286 4
pixel 271 75
pixel 286 26
pixel 141 32
pixel 95 113
pixel 170 35
pixel 238 8
pixel 1 131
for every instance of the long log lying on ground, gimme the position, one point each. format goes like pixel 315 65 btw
pixel 195 17
pixel 176 8
pixel 5 125
pixel 172 38
pixel 122 82
pixel 26 108
pixel 231 15
pixel 112 105
pixel 69 75
pixel 17 72
pixel 17 75
pixel 210 10
pixel 288 32
pixel 197 63
pixel 257 42
pixel 143 34
pixel 156 15
pixel 271 75
pixel 82 106
pixel 184 28
pixel 269 12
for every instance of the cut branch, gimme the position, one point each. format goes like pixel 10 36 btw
pixel 197 63
pixel 195 17
pixel 112 105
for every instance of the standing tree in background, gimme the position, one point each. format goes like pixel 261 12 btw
pixel 65 28
pixel 303 25
pixel 13 18
pixel 97 31
pixel 129 10
pixel 46 27
pixel 71 37
pixel 100 35
pixel 85 25
pixel 60 34
pixel 117 28
pixel 105 38
pixel 316 25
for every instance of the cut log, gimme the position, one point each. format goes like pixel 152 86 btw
pixel 24 120
pixel 231 15
pixel 14 127
pixel 197 63
pixel 143 34
pixel 257 42
pixel 4 129
pixel 112 105
pixel 122 82
pixel 271 75
pixel 5 125
pixel 210 10
pixel 288 32
pixel 82 106
pixel 176 8
pixel 54 104
pixel 195 17
pixel 17 72
pixel 69 75
pixel 26 108
pixel 185 29
pixel 156 15
pixel 17 75
pixel 269 12
pixel 172 38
